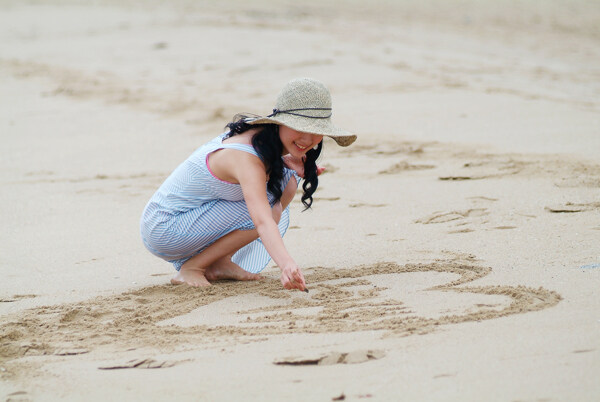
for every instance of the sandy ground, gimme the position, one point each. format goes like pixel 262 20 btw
pixel 452 253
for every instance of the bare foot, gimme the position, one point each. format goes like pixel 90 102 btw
pixel 190 275
pixel 224 268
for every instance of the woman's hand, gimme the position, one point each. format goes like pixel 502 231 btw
pixel 297 164
pixel 292 278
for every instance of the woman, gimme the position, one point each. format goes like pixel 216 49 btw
pixel 222 213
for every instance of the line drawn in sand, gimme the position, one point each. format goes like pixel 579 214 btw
pixel 341 300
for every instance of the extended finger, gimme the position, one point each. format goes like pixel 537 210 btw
pixel 294 284
pixel 298 277
pixel 300 285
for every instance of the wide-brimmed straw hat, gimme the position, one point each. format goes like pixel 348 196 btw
pixel 304 105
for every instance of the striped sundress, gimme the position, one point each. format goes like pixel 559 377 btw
pixel 193 208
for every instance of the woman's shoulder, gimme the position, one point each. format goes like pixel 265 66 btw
pixel 244 138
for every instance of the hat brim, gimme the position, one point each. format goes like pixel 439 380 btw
pixel 307 125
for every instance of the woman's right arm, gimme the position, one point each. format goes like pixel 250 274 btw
pixel 250 173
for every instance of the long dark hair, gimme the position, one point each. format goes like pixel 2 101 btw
pixel 268 145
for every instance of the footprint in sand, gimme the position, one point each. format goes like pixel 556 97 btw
pixel 18 396
pixel 462 220
pixel 140 364
pixel 489 168
pixel 461 216
pixel 362 204
pixel 571 207
pixel 16 298
pixel 404 166
pixel 327 359
pixel 466 230
pixel 482 198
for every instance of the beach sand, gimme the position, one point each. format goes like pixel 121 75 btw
pixel 452 252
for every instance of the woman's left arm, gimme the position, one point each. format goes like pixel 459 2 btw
pixel 297 165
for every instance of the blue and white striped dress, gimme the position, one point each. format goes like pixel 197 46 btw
pixel 193 208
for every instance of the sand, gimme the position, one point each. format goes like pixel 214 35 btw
pixel 452 252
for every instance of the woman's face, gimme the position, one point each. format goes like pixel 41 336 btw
pixel 297 143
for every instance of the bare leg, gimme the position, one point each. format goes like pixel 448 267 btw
pixel 194 271
pixel 224 268
pixel 215 261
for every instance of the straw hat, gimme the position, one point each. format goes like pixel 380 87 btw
pixel 304 105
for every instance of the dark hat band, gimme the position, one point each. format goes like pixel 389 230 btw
pixel 291 111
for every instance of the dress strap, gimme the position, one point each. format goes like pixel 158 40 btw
pixel 240 147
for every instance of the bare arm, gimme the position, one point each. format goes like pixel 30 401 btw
pixel 249 171
pixel 298 165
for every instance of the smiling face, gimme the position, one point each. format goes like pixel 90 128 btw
pixel 297 143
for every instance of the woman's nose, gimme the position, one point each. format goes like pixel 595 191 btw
pixel 307 138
